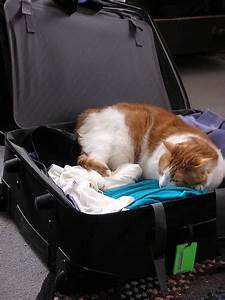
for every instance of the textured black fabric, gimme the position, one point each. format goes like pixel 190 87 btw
pixel 55 146
pixel 79 61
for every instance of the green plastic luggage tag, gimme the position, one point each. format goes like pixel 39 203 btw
pixel 185 258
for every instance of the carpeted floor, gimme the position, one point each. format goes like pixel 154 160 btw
pixel 204 80
pixel 21 272
pixel 23 275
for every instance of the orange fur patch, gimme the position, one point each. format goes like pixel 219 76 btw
pixel 162 124
pixel 141 117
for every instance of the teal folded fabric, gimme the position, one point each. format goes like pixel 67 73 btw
pixel 147 192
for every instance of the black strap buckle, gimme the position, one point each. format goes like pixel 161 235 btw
pixel 159 247
pixel 136 29
pixel 26 7
pixel 26 10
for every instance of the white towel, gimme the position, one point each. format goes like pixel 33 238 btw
pixel 84 187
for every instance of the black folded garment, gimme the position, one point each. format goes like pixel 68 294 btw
pixel 55 146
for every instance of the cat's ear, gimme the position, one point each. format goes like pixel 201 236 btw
pixel 169 146
pixel 206 164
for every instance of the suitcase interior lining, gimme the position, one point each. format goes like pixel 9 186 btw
pixel 47 80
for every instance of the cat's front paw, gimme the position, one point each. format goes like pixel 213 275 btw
pixel 102 169
pixel 93 164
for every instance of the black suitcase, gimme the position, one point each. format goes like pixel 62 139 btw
pixel 101 54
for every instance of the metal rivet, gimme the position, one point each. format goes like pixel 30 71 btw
pixel 18 183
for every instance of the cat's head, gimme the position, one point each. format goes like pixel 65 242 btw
pixel 189 164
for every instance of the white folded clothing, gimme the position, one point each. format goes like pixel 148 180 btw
pixel 84 187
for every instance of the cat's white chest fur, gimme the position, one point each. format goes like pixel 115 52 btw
pixel 105 136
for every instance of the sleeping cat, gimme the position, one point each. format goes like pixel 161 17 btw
pixel 165 146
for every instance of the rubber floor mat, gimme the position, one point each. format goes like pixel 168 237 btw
pixel 206 283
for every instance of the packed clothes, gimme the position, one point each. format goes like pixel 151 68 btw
pixel 147 192
pixel 121 191
pixel 212 124
pixel 84 188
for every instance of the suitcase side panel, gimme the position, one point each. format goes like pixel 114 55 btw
pixel 118 243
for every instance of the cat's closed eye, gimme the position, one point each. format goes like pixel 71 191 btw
pixel 190 178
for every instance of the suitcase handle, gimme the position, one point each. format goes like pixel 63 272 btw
pixel 12 165
pixel 44 202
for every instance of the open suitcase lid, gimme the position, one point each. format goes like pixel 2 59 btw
pixel 62 64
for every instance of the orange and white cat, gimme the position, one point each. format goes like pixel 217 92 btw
pixel 165 147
